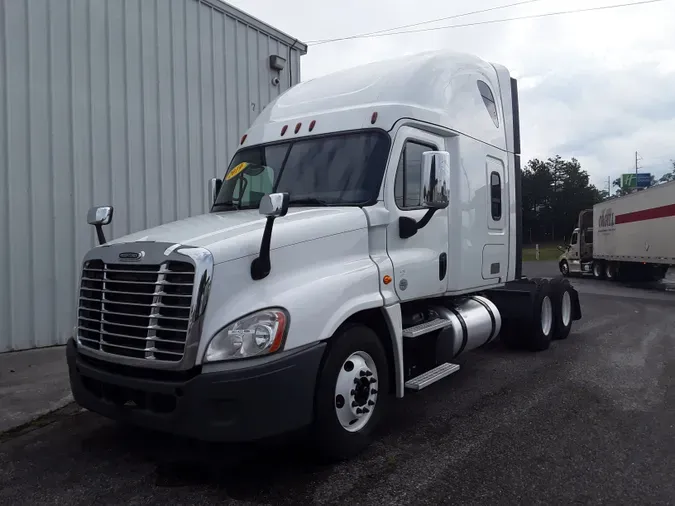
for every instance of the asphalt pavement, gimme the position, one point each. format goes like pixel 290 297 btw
pixel 589 421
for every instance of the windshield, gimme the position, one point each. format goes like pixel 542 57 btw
pixel 343 169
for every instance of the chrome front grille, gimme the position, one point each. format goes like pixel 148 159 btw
pixel 136 311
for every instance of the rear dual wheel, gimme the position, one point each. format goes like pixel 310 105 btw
pixel 598 270
pixel 549 316
pixel 541 324
pixel 562 299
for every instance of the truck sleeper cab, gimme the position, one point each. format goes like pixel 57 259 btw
pixel 366 233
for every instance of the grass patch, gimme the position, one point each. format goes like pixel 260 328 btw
pixel 546 252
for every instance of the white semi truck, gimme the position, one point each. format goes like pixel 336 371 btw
pixel 366 233
pixel 629 238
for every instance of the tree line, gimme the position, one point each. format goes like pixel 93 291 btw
pixel 554 191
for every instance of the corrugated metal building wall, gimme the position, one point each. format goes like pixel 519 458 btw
pixel 136 103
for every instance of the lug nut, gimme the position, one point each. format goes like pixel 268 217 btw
pixel 359 411
pixel 356 381
pixel 354 404
pixel 371 403
pixel 366 410
pixel 368 373
pixel 373 380
pixel 373 391
pixel 353 392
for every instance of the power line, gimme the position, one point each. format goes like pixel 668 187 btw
pixel 493 21
pixel 454 16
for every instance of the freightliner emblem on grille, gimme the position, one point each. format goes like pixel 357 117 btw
pixel 131 256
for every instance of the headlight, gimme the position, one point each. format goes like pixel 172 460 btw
pixel 257 334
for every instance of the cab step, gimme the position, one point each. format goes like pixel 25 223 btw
pixel 431 376
pixel 426 327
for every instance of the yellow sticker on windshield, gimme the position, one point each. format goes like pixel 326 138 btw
pixel 236 170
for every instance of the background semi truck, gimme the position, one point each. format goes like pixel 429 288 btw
pixel 366 233
pixel 629 237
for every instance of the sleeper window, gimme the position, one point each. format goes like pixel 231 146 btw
pixel 496 196
pixel 489 101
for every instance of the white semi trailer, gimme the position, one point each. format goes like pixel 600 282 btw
pixel 630 237
pixel 365 234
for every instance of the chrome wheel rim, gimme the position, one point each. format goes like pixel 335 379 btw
pixel 564 268
pixel 546 315
pixel 596 270
pixel 566 309
pixel 355 396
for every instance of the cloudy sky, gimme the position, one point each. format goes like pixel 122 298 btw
pixel 597 85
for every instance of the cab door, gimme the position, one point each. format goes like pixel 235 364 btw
pixel 573 253
pixel 420 262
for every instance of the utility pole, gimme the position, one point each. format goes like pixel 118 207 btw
pixel 636 167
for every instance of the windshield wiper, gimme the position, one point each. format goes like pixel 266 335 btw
pixel 309 201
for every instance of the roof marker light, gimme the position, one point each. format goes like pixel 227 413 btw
pixel 243 139
pixel 283 130
pixel 373 118
pixel 311 125
pixel 297 127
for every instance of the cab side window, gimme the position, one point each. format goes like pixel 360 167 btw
pixel 407 185
pixel 588 236
pixel 575 238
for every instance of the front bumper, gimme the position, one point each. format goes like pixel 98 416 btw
pixel 235 405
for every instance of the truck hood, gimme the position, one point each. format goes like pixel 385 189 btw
pixel 236 234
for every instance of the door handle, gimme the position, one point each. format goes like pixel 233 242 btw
pixel 442 265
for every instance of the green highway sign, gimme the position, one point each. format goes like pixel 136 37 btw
pixel 642 180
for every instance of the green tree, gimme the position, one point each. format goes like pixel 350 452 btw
pixel 669 176
pixel 554 192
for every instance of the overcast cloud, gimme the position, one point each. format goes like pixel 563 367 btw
pixel 597 86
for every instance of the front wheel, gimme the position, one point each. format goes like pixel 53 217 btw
pixel 564 268
pixel 352 393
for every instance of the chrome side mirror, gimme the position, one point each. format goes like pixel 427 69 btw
pixel 213 189
pixel 435 179
pixel 274 205
pixel 435 185
pixel 99 216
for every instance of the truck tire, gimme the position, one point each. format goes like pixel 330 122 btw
pixel 611 271
pixel 539 327
pixel 564 268
pixel 562 307
pixel 352 393
pixel 529 324
pixel 598 270
pixel 658 273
